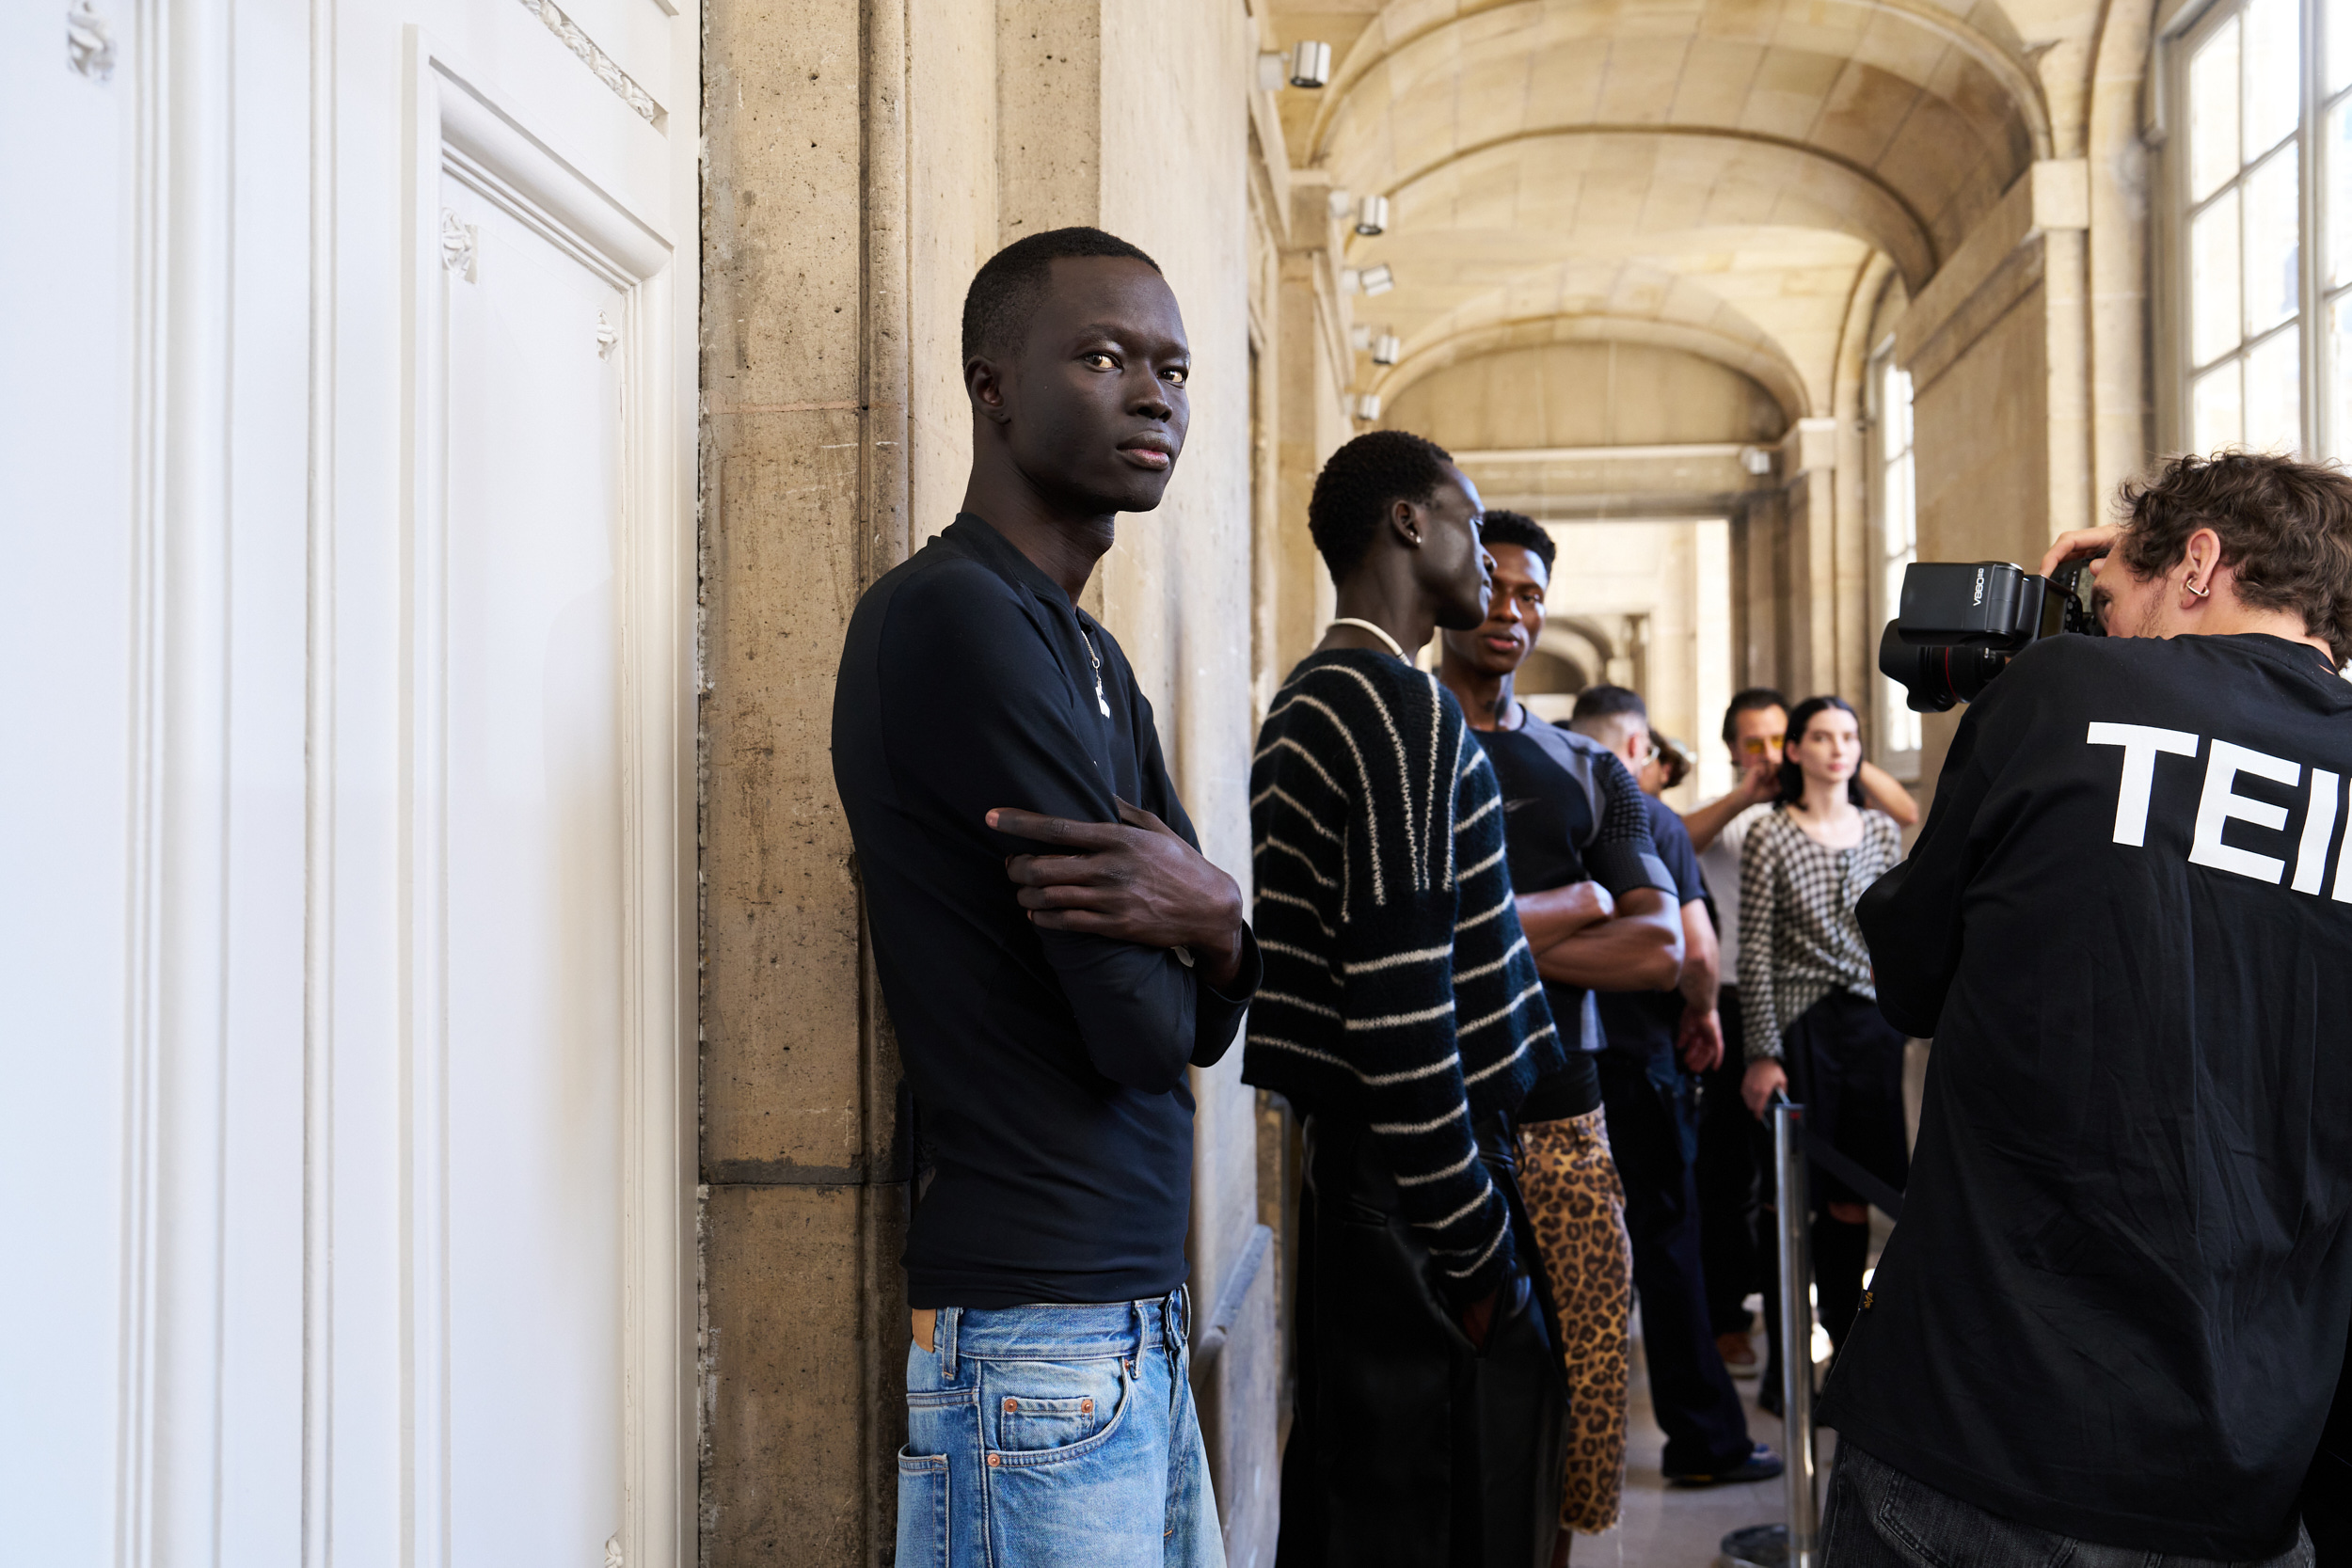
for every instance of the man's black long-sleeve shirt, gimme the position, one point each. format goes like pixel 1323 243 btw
pixel 1048 1067
pixel 2116 1306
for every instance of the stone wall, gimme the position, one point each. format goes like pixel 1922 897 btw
pixel 865 156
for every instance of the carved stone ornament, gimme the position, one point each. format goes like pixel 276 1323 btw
pixel 90 43
pixel 612 1552
pixel 606 337
pixel 596 59
pixel 458 242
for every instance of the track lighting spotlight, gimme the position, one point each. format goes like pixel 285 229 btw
pixel 1377 280
pixel 1311 63
pixel 1368 406
pixel 1372 216
pixel 1385 349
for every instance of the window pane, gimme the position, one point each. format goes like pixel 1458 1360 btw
pixel 2274 394
pixel 2336 200
pixel 2213 292
pixel 1896 399
pixel 2273 213
pixel 2212 112
pixel 2340 379
pixel 2274 74
pixel 2215 416
pixel 1898 523
pixel 2337 20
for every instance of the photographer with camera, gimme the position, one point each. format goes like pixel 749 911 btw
pixel 2113 1316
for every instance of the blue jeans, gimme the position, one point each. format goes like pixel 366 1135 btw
pixel 1879 1517
pixel 1050 1435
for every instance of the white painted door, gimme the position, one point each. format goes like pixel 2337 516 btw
pixel 346 605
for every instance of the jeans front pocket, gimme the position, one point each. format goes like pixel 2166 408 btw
pixel 1100 1501
pixel 1026 1425
pixel 1042 1406
pixel 923 1510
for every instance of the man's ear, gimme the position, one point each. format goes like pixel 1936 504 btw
pixel 985 384
pixel 1407 523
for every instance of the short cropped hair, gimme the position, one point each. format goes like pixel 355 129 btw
pixel 1006 291
pixel 1518 528
pixel 1363 479
pixel 1597 704
pixel 2285 528
pixel 1753 700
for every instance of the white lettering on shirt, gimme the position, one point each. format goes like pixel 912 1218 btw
pixel 2140 743
pixel 2319 826
pixel 2221 803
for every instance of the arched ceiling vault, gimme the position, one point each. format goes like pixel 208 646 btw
pixel 1605 184
pixel 1983 32
pixel 1715 175
pixel 1870 83
pixel 1722 337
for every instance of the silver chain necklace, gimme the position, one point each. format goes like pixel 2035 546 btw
pixel 1100 701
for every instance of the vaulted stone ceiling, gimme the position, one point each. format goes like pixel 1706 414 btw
pixel 1715 175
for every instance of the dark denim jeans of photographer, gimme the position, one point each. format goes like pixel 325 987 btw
pixel 1050 1435
pixel 1879 1517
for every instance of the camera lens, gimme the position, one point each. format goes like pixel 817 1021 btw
pixel 1940 674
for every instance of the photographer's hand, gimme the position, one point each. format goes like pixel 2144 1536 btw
pixel 1765 1075
pixel 2077 542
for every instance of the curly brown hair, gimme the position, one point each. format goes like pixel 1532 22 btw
pixel 2285 529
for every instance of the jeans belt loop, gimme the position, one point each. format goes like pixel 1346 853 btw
pixel 944 1335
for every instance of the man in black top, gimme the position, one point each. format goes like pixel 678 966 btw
pixel 1054 950
pixel 1658 1040
pixel 1581 848
pixel 2111 1321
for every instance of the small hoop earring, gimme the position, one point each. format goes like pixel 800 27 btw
pixel 2200 593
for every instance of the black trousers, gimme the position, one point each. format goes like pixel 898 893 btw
pixel 1730 1176
pixel 1845 1065
pixel 1408 1446
pixel 1649 1133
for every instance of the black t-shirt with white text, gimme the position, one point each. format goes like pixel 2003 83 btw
pixel 2116 1306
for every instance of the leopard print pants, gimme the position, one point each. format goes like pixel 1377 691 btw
pixel 1569 1183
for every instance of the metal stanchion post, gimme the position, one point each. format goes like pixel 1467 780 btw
pixel 1796 1544
pixel 1796 1335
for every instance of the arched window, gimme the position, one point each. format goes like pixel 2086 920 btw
pixel 2258 108
pixel 1895 505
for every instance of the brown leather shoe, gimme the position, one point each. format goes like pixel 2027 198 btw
pixel 1737 1353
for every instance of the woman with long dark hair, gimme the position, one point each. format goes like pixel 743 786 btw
pixel 1806 987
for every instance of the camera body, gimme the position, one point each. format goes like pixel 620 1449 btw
pixel 1959 625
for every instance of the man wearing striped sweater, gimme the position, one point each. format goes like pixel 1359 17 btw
pixel 1401 1014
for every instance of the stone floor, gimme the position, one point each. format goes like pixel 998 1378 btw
pixel 1665 1527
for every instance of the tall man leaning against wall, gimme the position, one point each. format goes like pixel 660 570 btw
pixel 1054 949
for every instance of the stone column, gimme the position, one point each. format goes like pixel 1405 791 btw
pixel 804 356
pixel 1997 344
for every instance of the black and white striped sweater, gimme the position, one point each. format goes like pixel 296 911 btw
pixel 1399 989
